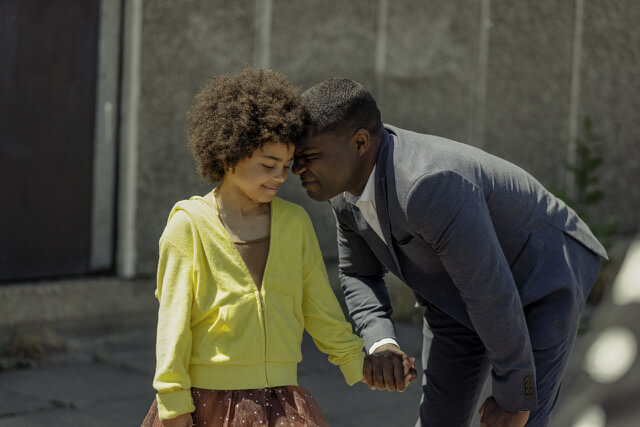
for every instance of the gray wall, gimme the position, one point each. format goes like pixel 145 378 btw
pixel 516 79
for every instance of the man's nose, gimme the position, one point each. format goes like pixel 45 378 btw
pixel 298 167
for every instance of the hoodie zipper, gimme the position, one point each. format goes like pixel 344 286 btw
pixel 259 290
pixel 264 331
pixel 264 277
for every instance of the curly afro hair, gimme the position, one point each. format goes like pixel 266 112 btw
pixel 234 115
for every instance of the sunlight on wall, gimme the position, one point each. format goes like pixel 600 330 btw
pixel 594 416
pixel 626 287
pixel 611 355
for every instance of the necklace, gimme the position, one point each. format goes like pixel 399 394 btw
pixel 229 231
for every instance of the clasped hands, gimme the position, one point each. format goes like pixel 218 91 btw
pixel 389 368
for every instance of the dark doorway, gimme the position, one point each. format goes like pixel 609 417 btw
pixel 48 52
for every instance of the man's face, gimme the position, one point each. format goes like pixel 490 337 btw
pixel 326 165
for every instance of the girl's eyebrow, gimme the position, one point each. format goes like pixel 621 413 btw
pixel 276 158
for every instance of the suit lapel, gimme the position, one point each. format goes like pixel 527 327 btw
pixel 382 208
pixel 374 241
pixel 384 251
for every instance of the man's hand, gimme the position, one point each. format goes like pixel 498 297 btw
pixel 492 415
pixel 389 368
pixel 183 420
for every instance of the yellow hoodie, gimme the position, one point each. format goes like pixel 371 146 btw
pixel 216 330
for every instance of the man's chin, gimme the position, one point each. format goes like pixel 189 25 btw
pixel 316 193
pixel 317 196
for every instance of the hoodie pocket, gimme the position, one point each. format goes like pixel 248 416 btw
pixel 284 328
pixel 237 335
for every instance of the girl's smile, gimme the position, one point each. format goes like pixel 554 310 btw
pixel 256 179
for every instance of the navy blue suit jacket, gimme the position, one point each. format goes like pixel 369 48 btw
pixel 468 232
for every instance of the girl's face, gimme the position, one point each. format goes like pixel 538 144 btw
pixel 260 175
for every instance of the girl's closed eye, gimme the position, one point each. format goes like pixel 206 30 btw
pixel 287 167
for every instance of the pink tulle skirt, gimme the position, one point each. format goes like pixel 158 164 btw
pixel 290 406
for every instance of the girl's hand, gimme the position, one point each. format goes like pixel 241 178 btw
pixel 183 420
pixel 410 373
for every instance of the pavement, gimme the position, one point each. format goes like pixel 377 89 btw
pixel 106 380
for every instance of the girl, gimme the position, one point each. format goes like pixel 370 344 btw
pixel 240 273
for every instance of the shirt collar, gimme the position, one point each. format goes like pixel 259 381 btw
pixel 369 192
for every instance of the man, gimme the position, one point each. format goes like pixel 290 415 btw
pixel 502 266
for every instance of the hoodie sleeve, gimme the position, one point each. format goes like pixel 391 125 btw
pixel 173 345
pixel 323 317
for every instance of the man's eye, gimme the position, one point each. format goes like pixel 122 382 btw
pixel 268 167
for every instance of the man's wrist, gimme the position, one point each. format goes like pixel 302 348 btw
pixel 382 342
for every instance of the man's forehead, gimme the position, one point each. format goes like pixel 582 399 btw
pixel 307 146
pixel 317 141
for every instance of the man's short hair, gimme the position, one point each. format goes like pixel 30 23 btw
pixel 337 105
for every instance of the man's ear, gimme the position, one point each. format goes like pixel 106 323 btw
pixel 362 141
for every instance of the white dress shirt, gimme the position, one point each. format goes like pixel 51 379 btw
pixel 367 205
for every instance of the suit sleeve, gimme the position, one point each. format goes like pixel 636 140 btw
pixel 323 317
pixel 361 278
pixel 451 214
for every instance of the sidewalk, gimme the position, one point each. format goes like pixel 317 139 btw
pixel 106 381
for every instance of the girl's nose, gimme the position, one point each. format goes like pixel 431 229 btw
pixel 282 176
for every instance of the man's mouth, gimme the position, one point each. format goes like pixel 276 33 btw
pixel 305 181
pixel 270 188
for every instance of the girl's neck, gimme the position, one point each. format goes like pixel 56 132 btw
pixel 233 201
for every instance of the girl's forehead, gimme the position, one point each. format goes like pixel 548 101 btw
pixel 280 150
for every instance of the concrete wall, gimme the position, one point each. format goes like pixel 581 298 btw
pixel 516 79
pixel 610 94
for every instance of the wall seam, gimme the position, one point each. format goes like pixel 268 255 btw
pixel 128 179
pixel 262 51
pixel 476 133
pixel 574 95
pixel 102 215
pixel 380 63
